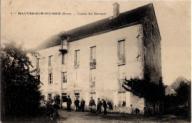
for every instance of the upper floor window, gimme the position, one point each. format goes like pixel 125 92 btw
pixel 50 61
pixel 64 77
pixel 77 59
pixel 37 65
pixel 92 79
pixel 93 57
pixel 121 52
pixel 63 59
pixel 50 78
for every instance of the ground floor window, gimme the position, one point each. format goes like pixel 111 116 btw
pixel 122 99
pixel 49 97
pixel 64 97
pixel 77 95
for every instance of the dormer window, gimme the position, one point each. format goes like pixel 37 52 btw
pixel 63 49
pixel 64 46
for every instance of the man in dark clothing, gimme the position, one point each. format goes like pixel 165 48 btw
pixel 110 105
pixel 49 107
pixel 69 102
pixel 55 109
pixel 99 104
pixel 76 104
pixel 104 106
pixel 57 101
pixel 82 105
pixel 92 104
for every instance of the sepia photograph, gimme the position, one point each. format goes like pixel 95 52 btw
pixel 95 61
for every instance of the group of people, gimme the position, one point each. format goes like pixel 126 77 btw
pixel 52 107
pixel 80 105
pixel 100 104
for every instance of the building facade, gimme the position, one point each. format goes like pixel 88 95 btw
pixel 94 60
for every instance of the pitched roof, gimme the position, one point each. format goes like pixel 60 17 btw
pixel 124 19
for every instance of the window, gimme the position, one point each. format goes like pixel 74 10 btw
pixel 77 59
pixel 49 60
pixel 121 89
pixel 64 97
pixel 49 96
pixel 63 59
pixel 64 77
pixel 121 52
pixel 37 65
pixel 77 95
pixel 92 79
pixel 50 79
pixel 121 79
pixel 93 57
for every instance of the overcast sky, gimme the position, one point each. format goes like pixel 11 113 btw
pixel 173 18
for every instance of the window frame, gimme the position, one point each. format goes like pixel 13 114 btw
pixel 93 57
pixel 121 61
pixel 50 60
pixel 92 80
pixel 37 64
pixel 50 78
pixel 49 96
pixel 63 59
pixel 63 77
pixel 77 58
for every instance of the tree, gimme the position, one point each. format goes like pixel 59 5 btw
pixel 183 93
pixel 20 89
pixel 152 93
pixel 179 103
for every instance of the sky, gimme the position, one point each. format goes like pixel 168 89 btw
pixel 173 18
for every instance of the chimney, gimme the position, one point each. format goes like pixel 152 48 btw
pixel 115 9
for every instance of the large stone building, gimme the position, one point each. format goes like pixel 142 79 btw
pixel 94 59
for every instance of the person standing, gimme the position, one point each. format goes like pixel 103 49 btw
pixel 92 104
pixel 132 110
pixel 55 109
pixel 82 105
pixel 76 104
pixel 110 105
pixel 104 106
pixel 99 104
pixel 69 102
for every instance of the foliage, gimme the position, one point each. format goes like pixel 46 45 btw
pixel 183 92
pixel 20 89
pixel 148 90
pixel 179 103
